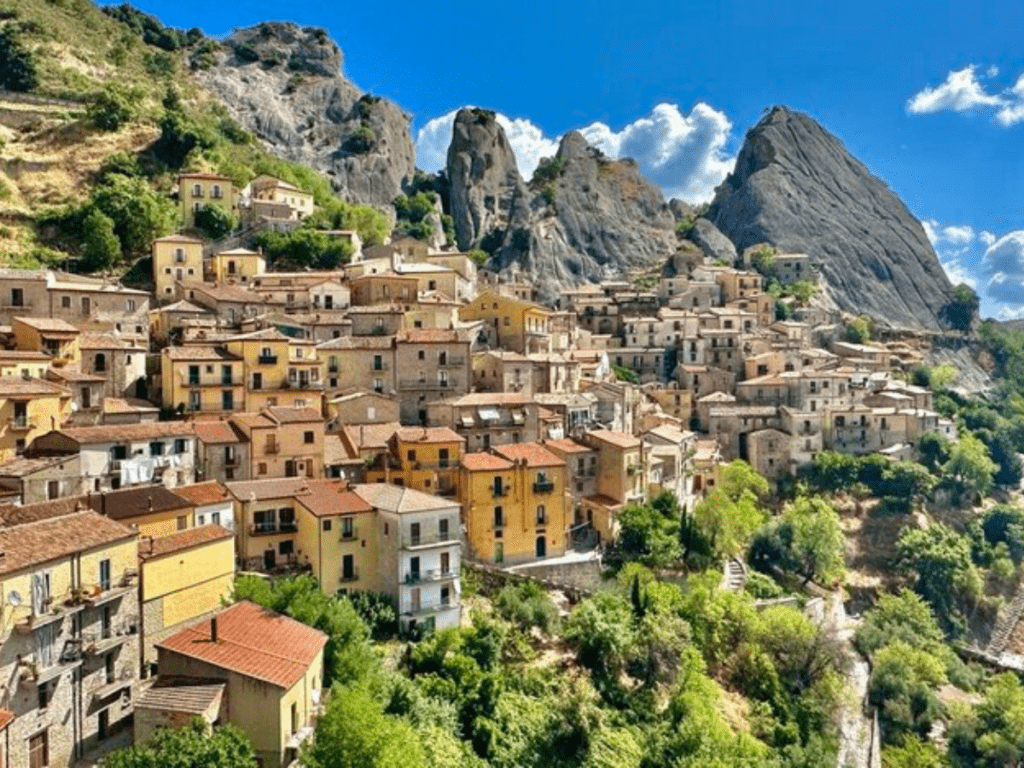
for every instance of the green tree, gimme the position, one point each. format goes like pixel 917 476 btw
pixel 18 71
pixel 139 213
pixel 214 221
pixel 903 683
pixel 934 449
pixel 361 140
pixel 816 539
pixel 601 631
pixel 187 747
pixel 961 310
pixel 944 574
pixel 354 732
pixel 112 108
pixel 803 290
pixel 903 617
pixel 763 260
pixel 729 515
pixel 303 248
pixel 100 247
pixel 992 734
pixel 912 752
pixel 858 330
pixel 969 467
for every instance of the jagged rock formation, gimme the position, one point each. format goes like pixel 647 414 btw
pixel 483 176
pixel 586 218
pixel 285 84
pixel 797 187
pixel 711 241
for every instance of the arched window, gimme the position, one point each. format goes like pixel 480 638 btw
pixel 542 516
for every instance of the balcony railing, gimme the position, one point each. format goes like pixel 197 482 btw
pixel 429 606
pixel 349 535
pixel 267 359
pixel 434 574
pixel 427 539
pixel 424 384
pixel 543 486
pixel 452 362
pixel 379 366
pixel 497 492
pixel 268 529
pixel 272 448
pixel 353 576
pixel 22 422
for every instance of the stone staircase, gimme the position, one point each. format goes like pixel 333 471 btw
pixel 1008 619
pixel 734 575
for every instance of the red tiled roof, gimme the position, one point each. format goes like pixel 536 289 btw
pixel 209 492
pixel 182 540
pixel 366 436
pixel 620 439
pixel 429 435
pixel 534 454
pixel 485 462
pixel 292 415
pixel 254 642
pixel 327 498
pixel 6 718
pixel 214 432
pixel 111 433
pixel 430 335
pixel 568 446
pixel 39 542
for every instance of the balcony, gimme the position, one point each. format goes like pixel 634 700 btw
pixel 424 384
pixel 380 367
pixel 348 577
pixel 99 643
pixel 349 535
pixel 428 540
pixel 498 493
pixel 429 607
pixel 272 448
pixel 271 529
pixel 22 423
pixel 122 680
pixel 452 362
pixel 267 360
pixel 543 486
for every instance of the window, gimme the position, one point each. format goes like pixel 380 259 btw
pixel 348 567
pixel 262 468
pixel 105 574
pixel 411 455
pixel 182 522
pixel 53 489
pixel 442 529
pixel 446 565
pixel 285 547
pixel 499 517
pixel 17 297
pixel 542 517
pixel 348 530
pixel 414 534
pixel 65 302
pixel 100 363
pixel 227 400
pixel 308 437
pixel 326 525
pixel 180 445
pixel 44 695
pixel 442 458
pixel 130 305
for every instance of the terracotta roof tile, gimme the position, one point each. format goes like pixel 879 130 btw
pixel 39 542
pixel 182 540
pixel 395 498
pixel 336 452
pixel 6 718
pixel 128 503
pixel 198 352
pixel 11 514
pixel 620 439
pixel 48 324
pixel 109 433
pixel 254 642
pixel 534 454
pixel 217 432
pixel 106 341
pixel 430 335
pixel 199 494
pixel 171 696
pixel 429 435
pixel 485 462
pixel 290 415
pixel 327 498
pixel 371 436
pixel 568 446
pixel 492 398
pixel 19 385
pixel 272 488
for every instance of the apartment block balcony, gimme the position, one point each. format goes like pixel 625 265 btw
pixel 272 448
pixel 431 606
pixel 543 486
pixel 270 529
pixel 267 360
pixel 499 492
pixel 435 574
pixel 428 539
pixel 452 362
pixel 22 423
pixel 425 384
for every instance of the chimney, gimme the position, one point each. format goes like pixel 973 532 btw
pixel 213 630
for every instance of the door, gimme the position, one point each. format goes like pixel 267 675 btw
pixel 39 750
pixel 415 602
pixel 269 560
pixel 542 546
pixel 104 725
pixel 499 552
pixel 86 305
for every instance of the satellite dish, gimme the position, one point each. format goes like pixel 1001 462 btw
pixel 14 598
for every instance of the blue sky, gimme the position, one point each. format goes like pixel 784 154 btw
pixel 677 84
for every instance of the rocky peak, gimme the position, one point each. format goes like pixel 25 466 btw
pixel 285 84
pixel 483 176
pixel 797 187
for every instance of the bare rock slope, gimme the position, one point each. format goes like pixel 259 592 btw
pixel 285 83
pixel 797 187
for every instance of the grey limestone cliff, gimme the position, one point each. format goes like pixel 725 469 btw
pixel 285 83
pixel 583 218
pixel 797 187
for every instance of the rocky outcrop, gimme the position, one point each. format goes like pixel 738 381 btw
pixel 285 84
pixel 797 187
pixel 483 177
pixel 711 241
pixel 582 218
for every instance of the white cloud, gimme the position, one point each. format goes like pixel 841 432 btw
pixel 987 238
pixel 683 154
pixel 1003 264
pixel 953 244
pixel 960 92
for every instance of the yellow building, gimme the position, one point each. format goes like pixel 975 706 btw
pixel 514 503
pixel 68 636
pixel 422 458
pixel 620 479
pixel 184 576
pixel 337 537
pixel 511 323
pixel 239 265
pixel 52 336
pixel 201 380
pixel 196 190
pixel 29 408
pixel 18 363
pixel 175 258
pixel 273 669
pixel 278 370
pixel 283 442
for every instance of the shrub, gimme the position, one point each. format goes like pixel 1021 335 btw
pixel 111 108
pixel 246 52
pixel 17 63
pixel 548 169
pixel 179 135
pixel 214 221
pixel 549 193
pixel 100 246
pixel 858 330
pixel 960 312
pixel 361 140
pixel 378 612
pixel 527 605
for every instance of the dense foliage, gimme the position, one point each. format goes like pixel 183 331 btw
pixel 193 745
pixel 17 63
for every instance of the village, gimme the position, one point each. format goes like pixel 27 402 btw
pixel 373 426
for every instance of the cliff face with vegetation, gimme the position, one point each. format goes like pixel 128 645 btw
pixel 285 84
